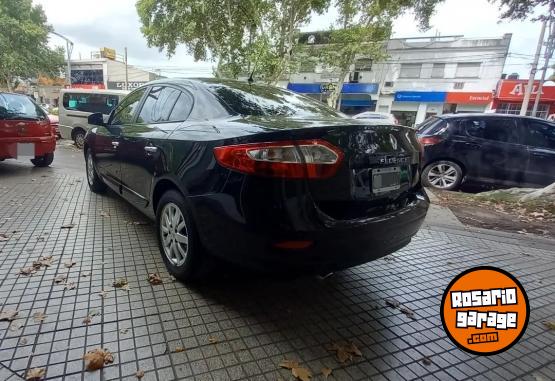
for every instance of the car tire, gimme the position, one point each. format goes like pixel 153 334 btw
pixel 79 138
pixel 183 260
pixel 443 175
pixel 95 182
pixel 44 160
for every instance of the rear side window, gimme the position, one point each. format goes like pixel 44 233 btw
pixel 432 126
pixel 539 134
pixel 103 103
pixel 182 108
pixel 498 129
pixel 158 105
pixel 14 106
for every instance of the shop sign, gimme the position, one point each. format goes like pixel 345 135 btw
pixel 515 89
pixel 471 98
pixel 420 96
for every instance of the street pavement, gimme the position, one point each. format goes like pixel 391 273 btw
pixel 239 325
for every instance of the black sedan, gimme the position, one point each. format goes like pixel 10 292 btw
pixel 258 176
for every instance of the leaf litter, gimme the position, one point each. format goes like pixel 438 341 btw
pixel 154 279
pixel 35 374
pixel 69 263
pixel 97 358
pixel 8 315
pixel 39 316
pixel 344 353
pixel 299 372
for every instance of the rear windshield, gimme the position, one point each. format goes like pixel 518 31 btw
pixel 16 106
pixel 256 100
pixel 103 103
pixel 432 126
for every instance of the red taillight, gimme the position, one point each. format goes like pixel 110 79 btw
pixel 429 140
pixel 313 159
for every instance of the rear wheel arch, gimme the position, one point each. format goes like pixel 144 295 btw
pixel 161 187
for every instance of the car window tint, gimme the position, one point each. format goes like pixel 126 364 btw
pixel 126 110
pixel 182 108
pixel 15 106
pixel 158 105
pixel 103 103
pixel 539 134
pixel 432 126
pixel 498 129
pixel 254 100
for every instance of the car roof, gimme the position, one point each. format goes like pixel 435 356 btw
pixel 486 115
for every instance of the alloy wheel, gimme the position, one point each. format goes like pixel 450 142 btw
pixel 174 235
pixel 443 175
pixel 90 168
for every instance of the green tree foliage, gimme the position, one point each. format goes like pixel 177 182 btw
pixel 523 9
pixel 24 50
pixel 362 30
pixel 254 36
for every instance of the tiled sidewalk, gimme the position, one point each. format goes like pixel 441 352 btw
pixel 242 326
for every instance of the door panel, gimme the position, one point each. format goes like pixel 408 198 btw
pixel 106 155
pixel 540 140
pixel 142 145
pixel 492 149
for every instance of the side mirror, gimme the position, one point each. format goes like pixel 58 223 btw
pixel 96 119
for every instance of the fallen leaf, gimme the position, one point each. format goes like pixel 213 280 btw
pixel 301 373
pixel 60 279
pixel 104 214
pixel 67 226
pixel 97 358
pixel 102 293
pixel 39 316
pixel 15 326
pixel 178 349
pixel 27 270
pixel 549 324
pixel 344 352
pixel 4 237
pixel 140 374
pixel 8 315
pixel 86 275
pixel 154 279
pixel 212 340
pixel 35 374
pixel 289 364
pixel 123 331
pixel 326 372
pixel 120 283
pixel 46 260
pixel 427 361
pixel 343 356
pixel 408 312
pixel 87 320
pixel 23 341
pixel 69 263
pixel 392 303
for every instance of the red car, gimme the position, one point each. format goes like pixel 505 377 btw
pixel 25 130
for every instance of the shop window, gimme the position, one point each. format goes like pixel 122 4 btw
pixel 388 84
pixel 438 70
pixel 468 70
pixel 410 70
pixel 514 109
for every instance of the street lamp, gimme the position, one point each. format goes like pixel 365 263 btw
pixel 69 50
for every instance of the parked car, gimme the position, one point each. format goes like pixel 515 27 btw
pixel 55 122
pixel 257 175
pixel 377 115
pixel 25 130
pixel 487 148
pixel 77 104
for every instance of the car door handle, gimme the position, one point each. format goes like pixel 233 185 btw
pixel 115 144
pixel 151 149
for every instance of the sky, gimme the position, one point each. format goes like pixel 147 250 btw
pixel 115 24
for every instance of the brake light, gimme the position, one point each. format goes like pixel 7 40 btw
pixel 313 159
pixel 430 140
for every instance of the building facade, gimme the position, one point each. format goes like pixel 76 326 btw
pixel 421 77
pixel 509 95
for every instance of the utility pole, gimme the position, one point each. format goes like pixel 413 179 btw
pixel 550 45
pixel 69 50
pixel 126 72
pixel 528 92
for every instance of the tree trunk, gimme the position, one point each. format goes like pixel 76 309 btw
pixel 9 84
pixel 334 95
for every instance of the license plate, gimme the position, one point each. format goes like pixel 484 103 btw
pixel 386 179
pixel 25 150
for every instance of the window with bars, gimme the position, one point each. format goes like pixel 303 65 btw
pixel 514 109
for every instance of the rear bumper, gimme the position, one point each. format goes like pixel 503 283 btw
pixel 43 145
pixel 227 232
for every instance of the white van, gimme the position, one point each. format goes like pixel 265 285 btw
pixel 77 104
